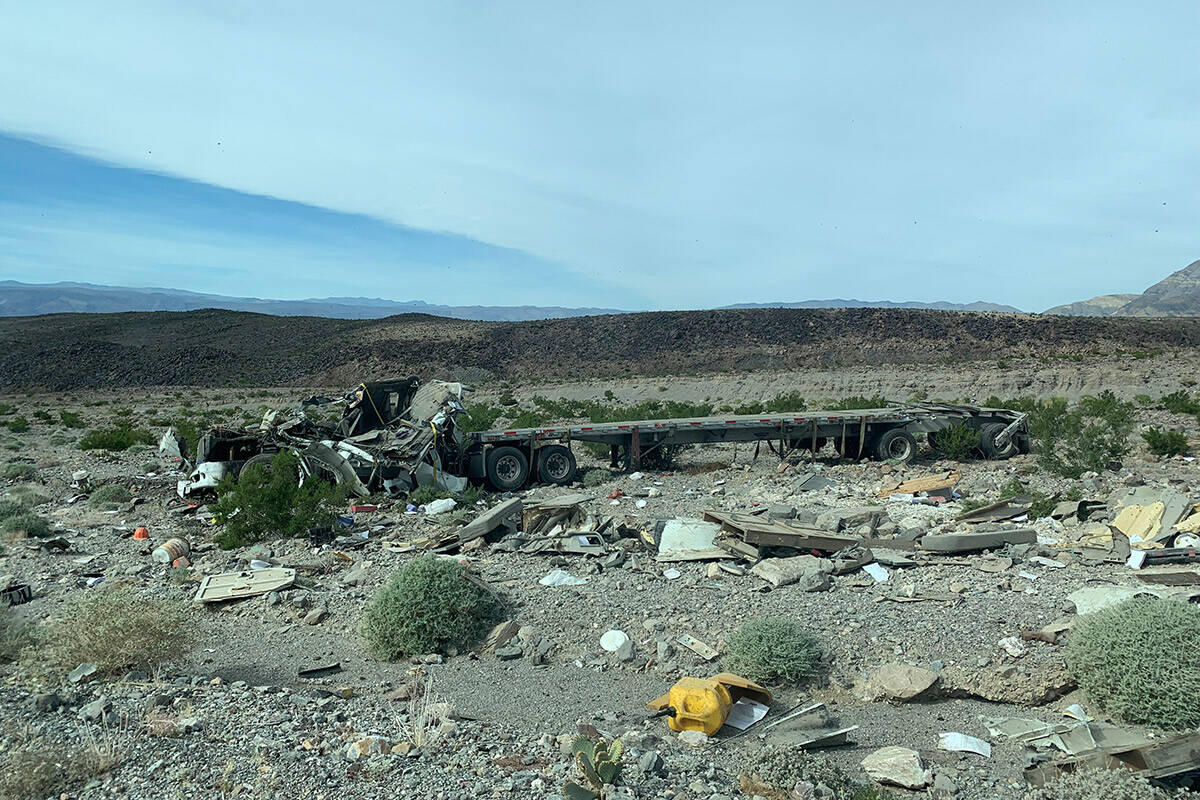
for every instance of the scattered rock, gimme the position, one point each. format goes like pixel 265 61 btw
pixel 898 766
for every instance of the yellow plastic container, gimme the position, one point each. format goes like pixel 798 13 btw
pixel 701 704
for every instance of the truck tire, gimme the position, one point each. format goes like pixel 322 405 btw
pixel 987 442
pixel 260 459
pixel 896 444
pixel 507 468
pixel 556 465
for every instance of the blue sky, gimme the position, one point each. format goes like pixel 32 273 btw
pixel 667 155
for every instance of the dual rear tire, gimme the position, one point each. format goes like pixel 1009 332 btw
pixel 508 467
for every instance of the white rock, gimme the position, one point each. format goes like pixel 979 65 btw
pixel 899 766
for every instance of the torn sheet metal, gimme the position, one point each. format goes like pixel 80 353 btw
pixel 689 540
pixel 236 585
pixel 961 743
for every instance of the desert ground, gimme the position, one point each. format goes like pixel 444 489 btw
pixel 231 717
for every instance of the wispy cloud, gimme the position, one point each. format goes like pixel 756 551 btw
pixel 676 154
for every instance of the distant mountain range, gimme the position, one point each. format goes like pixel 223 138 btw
pixel 978 305
pixel 1177 295
pixel 30 299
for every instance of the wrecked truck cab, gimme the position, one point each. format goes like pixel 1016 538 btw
pixel 219 452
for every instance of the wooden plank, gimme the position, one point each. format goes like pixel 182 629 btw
pixel 928 483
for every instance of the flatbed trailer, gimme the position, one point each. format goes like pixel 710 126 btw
pixel 510 458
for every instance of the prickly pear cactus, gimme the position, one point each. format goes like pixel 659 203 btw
pixel 599 763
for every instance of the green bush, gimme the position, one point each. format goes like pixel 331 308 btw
pixel 6 409
pixel 1088 437
pixel 25 524
pixel 428 605
pixel 28 495
pixel 595 477
pixel 1140 661
pixel 109 495
pixel 956 442
pixel 1165 443
pixel 10 508
pixel 1093 783
pixel 856 402
pixel 18 424
pixel 42 416
pixel 775 650
pixel 121 437
pixel 266 503
pixel 1180 402
pixel 119 629
pixel 15 634
pixel 18 471
pixel 426 494
pixel 70 419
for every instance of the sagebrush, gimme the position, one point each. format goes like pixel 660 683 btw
pixel 271 503
pixel 116 439
pixel 787 771
pixel 1140 661
pixel 956 442
pixel 119 629
pixel 429 605
pixel 774 650
pixel 1102 784
pixel 1165 443
pixel 1086 438
pixel 109 495
pixel 25 524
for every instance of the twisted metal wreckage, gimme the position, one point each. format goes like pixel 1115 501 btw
pixel 392 436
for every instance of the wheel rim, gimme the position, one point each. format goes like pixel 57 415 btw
pixel 508 468
pixel 557 466
pixel 898 448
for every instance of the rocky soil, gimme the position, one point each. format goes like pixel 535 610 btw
pixel 225 348
pixel 235 719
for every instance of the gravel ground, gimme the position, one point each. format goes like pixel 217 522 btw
pixel 239 722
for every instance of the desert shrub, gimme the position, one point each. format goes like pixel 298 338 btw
pixel 42 416
pixel 1165 443
pixel 10 508
pixel 1109 784
pixel 121 437
pixel 774 649
pixel 119 629
pixel 265 503
pixel 1088 437
pixel 856 402
pixel 28 495
pixel 595 477
pixel 6 409
pixel 780 770
pixel 37 772
pixel 956 442
pixel 479 418
pixel 110 494
pixel 70 419
pixel 427 606
pixel 18 424
pixel 15 634
pixel 426 494
pixel 15 471
pixel 1140 661
pixel 25 524
pixel 1180 402
pixel 664 457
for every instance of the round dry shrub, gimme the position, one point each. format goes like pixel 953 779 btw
pixel 774 650
pixel 1140 661
pixel 25 524
pixel 109 493
pixel 427 606
pixel 119 629
pixel 10 508
pixel 1109 784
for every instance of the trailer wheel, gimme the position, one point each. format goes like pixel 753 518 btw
pixel 987 441
pixel 507 468
pixel 556 465
pixel 896 444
